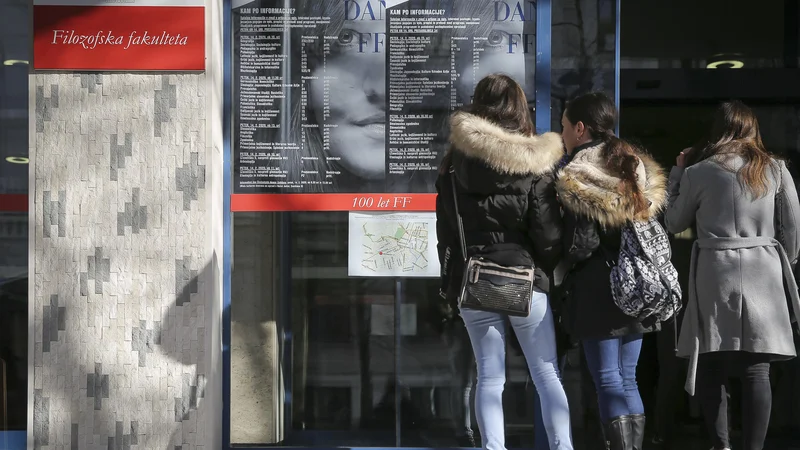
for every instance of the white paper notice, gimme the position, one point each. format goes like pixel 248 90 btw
pixel 392 245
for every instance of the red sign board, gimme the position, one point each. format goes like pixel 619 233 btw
pixel 119 35
pixel 333 202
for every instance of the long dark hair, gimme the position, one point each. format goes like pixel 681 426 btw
pixel 599 115
pixel 736 132
pixel 501 100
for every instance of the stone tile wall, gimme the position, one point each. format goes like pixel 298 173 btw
pixel 120 262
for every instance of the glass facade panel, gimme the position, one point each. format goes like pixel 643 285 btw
pixel 363 360
pixel 665 128
pixel 15 38
pixel 750 36
pixel 343 354
pixel 584 51
pixel 324 358
pixel 670 88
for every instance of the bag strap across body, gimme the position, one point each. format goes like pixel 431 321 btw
pixel 459 221
pixel 490 286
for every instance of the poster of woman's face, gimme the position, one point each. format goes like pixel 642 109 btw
pixel 353 107
pixel 505 41
pixel 337 54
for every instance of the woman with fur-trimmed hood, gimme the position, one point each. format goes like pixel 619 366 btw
pixel 507 200
pixel 607 184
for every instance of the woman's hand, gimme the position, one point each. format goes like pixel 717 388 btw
pixel 680 161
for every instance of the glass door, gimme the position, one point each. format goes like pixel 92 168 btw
pixel 669 90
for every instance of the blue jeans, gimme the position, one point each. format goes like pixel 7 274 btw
pixel 540 440
pixel 536 335
pixel 612 363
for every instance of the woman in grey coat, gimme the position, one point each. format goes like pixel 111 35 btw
pixel 742 295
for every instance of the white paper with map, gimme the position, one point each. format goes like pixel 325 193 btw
pixel 392 245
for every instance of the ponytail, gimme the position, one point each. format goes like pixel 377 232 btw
pixel 598 114
pixel 622 161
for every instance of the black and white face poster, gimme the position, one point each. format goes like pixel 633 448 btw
pixel 353 96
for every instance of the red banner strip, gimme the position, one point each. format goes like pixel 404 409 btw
pixel 13 203
pixel 292 202
pixel 332 202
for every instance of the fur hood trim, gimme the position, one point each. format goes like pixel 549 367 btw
pixel 586 188
pixel 504 151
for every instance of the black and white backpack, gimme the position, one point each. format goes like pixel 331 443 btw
pixel 644 282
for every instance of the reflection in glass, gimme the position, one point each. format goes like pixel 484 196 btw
pixel 343 355
pixel 15 38
pixel 438 364
pixel 347 386
pixel 14 351
pixel 583 51
pixel 748 37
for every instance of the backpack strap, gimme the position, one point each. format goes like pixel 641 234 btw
pixel 608 256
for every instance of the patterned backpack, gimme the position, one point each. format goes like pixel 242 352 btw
pixel 644 282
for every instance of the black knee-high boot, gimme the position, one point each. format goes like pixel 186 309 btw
pixel 619 433
pixel 637 430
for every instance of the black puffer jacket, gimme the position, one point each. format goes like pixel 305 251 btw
pixel 594 213
pixel 506 196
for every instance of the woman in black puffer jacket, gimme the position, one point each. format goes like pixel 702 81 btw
pixel 506 195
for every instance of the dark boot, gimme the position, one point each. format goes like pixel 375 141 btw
pixel 637 430
pixel 619 434
pixel 605 437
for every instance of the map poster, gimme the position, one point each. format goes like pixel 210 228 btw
pixel 392 245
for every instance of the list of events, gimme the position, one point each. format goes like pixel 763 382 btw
pixel 349 96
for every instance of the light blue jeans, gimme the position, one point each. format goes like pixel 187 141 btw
pixel 536 335
pixel 540 440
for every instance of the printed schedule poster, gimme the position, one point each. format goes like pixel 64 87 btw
pixel 392 245
pixel 349 96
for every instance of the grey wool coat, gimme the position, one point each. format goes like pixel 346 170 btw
pixel 742 295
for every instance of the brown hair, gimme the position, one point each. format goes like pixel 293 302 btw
pixel 599 115
pixel 500 100
pixel 736 132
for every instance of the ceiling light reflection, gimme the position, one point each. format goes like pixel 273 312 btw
pixel 726 64
pixel 15 62
pixel 17 160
